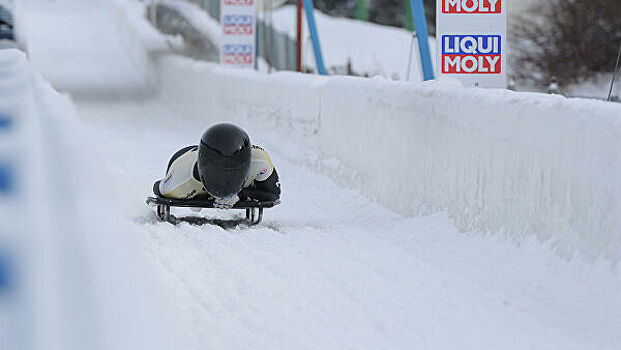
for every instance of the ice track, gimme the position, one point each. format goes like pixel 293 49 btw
pixel 327 269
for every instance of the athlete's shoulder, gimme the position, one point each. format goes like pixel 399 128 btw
pixel 182 180
pixel 256 149
pixel 261 166
pixel 260 154
pixel 182 152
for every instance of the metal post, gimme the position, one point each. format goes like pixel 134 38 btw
pixel 407 76
pixel 299 36
pixel 418 14
pixel 256 44
pixel 270 25
pixel 614 75
pixel 310 17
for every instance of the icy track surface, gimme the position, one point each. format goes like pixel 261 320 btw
pixel 327 269
pixel 79 46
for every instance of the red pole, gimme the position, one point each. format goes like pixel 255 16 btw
pixel 300 35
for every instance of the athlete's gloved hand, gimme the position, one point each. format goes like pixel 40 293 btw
pixel 225 203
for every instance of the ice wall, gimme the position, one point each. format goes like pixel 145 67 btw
pixel 76 280
pixel 497 161
pixel 135 30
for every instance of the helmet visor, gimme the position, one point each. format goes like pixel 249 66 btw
pixel 223 182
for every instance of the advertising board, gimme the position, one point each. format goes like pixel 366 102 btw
pixel 472 41
pixel 238 22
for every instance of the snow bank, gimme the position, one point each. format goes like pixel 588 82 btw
pixel 198 18
pixel 77 280
pixel 372 49
pixel 141 40
pixel 131 18
pixel 143 43
pixel 496 161
pixel 97 47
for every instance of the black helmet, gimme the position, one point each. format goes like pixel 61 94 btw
pixel 224 159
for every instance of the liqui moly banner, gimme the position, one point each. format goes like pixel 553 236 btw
pixel 471 41
pixel 238 22
pixel 471 6
pixel 471 54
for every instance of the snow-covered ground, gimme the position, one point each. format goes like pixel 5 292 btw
pixel 372 49
pixel 70 276
pixel 597 87
pixel 8 4
pixel 328 268
pixel 342 40
pixel 91 56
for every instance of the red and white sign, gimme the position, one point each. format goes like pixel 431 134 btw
pixel 471 41
pixel 238 22
pixel 471 54
pixel 238 2
pixel 471 6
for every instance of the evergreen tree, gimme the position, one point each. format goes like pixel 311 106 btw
pixel 567 39
pixel 387 12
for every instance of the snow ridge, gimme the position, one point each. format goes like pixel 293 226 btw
pixel 79 280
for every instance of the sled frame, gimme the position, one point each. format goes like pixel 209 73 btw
pixel 253 209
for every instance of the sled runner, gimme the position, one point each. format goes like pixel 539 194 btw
pixel 254 210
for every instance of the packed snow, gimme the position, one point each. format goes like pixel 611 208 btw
pixel 372 49
pixel 495 161
pixel 342 40
pixel 329 269
pixel 76 280
pixel 335 265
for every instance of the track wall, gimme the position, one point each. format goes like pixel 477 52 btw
pixel 497 161
pixel 76 278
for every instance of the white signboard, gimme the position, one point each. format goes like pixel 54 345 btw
pixel 238 22
pixel 472 41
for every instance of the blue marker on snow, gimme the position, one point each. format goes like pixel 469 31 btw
pixel 5 122
pixel 5 276
pixel 6 179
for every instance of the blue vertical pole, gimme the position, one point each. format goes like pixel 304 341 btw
pixel 420 23
pixel 309 7
pixel 6 179
pixel 5 275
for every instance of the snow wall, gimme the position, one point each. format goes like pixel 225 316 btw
pixel 143 40
pixel 496 161
pixel 70 276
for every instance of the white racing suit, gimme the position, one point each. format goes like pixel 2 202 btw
pixel 182 180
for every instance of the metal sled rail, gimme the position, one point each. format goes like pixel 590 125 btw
pixel 254 210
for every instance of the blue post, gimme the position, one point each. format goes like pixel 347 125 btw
pixel 6 179
pixel 309 7
pixel 420 23
pixel 5 123
pixel 5 276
